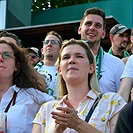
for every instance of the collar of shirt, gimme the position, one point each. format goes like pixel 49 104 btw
pixel 125 53
pixel 90 95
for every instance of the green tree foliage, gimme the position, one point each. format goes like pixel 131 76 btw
pixel 38 5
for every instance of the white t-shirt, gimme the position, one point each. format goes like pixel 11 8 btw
pixel 111 71
pixel 128 70
pixel 50 74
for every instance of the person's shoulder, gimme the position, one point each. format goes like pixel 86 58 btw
pixel 112 100
pixel 111 57
pixel 112 96
pixel 39 96
pixel 130 58
pixel 112 61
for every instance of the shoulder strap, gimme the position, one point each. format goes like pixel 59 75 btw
pixel 92 108
pixel 13 100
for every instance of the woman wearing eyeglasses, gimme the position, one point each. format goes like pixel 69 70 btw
pixel 20 89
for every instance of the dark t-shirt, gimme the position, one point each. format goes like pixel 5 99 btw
pixel 125 120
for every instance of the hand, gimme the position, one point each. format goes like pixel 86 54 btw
pixel 67 117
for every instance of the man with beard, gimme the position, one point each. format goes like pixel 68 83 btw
pixel 32 54
pixel 109 68
pixel 46 67
pixel 119 37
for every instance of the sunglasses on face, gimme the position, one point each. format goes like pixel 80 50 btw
pixel 33 56
pixel 7 54
pixel 53 42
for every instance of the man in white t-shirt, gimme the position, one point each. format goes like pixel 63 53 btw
pixel 109 68
pixel 50 51
pixel 127 76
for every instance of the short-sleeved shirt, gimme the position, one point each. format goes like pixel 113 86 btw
pixel 128 70
pixel 108 106
pixel 50 75
pixel 111 71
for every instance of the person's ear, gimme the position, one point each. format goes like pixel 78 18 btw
pixel 15 69
pixel 42 51
pixel 59 70
pixel 131 39
pixel 92 68
pixel 111 36
pixel 103 34
pixel 79 30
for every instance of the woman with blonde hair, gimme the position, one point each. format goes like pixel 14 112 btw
pixel 79 90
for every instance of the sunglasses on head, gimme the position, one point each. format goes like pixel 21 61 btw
pixel 7 54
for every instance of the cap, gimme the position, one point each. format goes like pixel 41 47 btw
pixel 34 49
pixel 119 29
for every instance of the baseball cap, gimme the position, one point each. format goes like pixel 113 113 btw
pixel 34 50
pixel 119 29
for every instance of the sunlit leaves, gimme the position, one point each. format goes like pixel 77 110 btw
pixel 38 5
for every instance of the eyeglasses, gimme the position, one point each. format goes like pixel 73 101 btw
pixel 33 56
pixel 53 42
pixel 7 54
